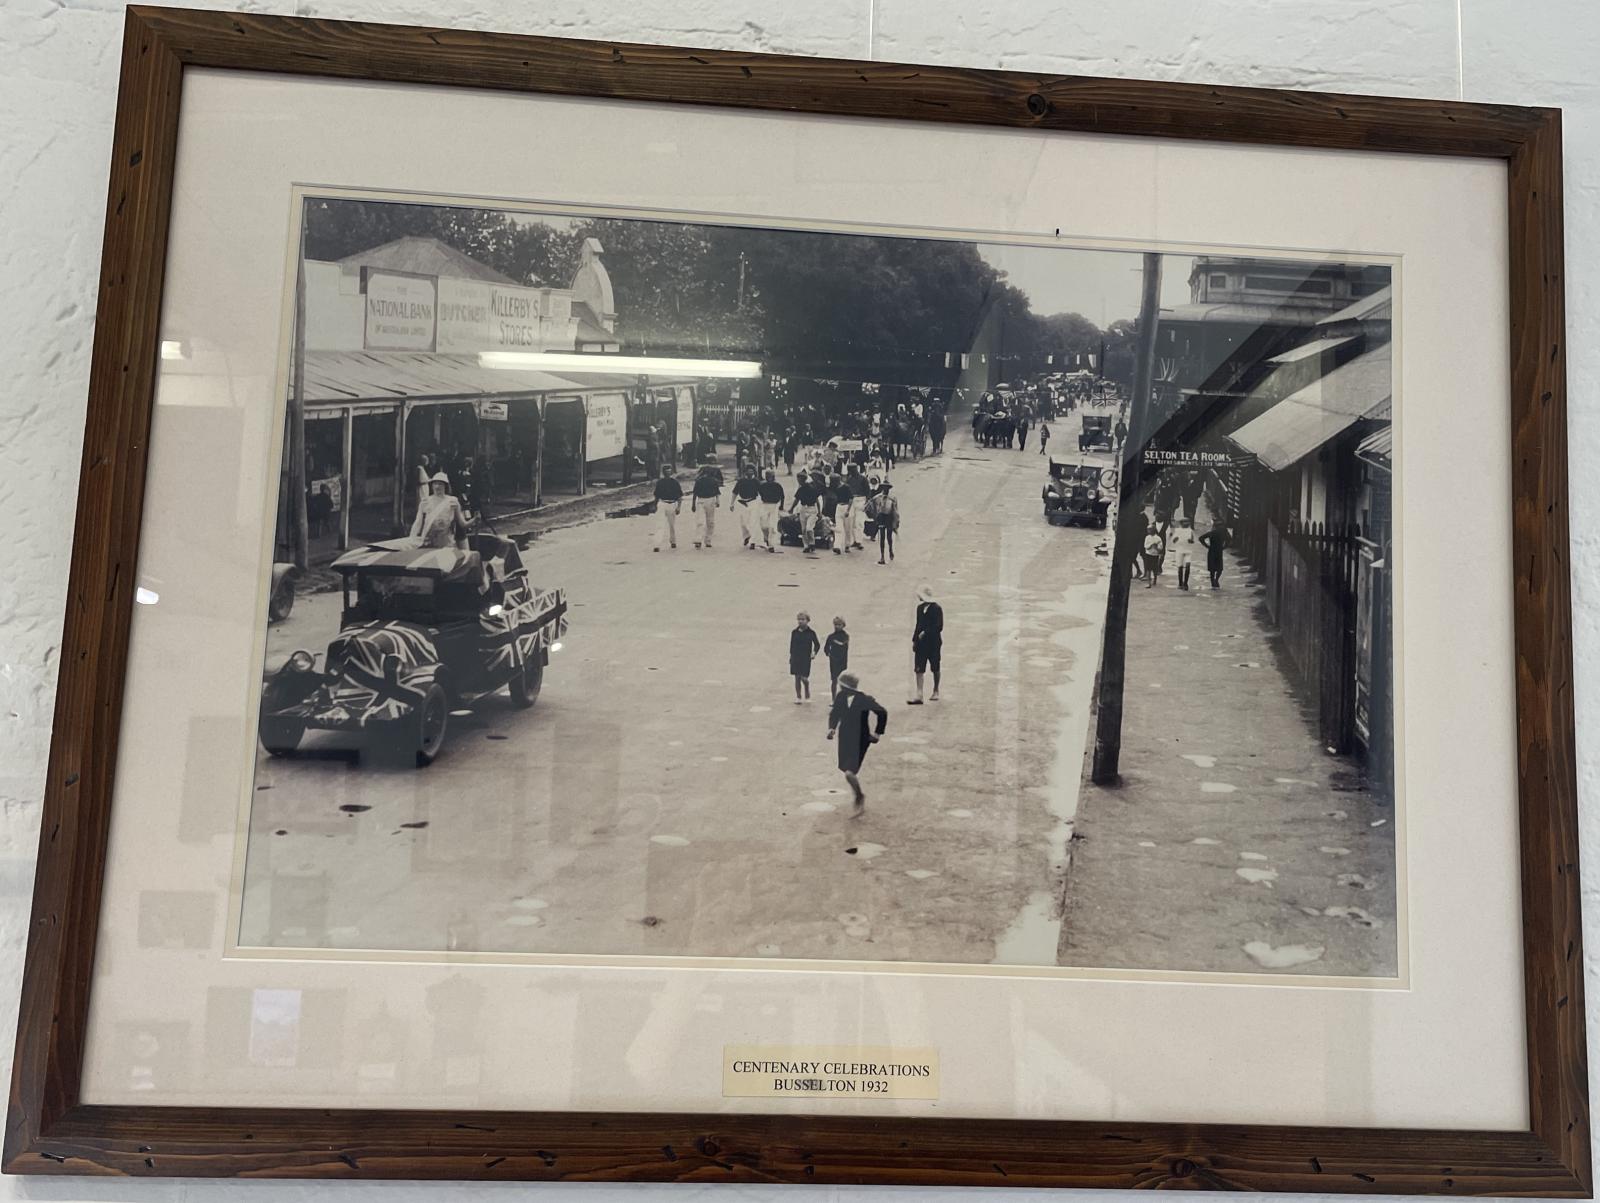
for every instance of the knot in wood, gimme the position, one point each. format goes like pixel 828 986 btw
pixel 1038 105
pixel 1182 1167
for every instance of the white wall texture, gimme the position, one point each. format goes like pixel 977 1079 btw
pixel 58 93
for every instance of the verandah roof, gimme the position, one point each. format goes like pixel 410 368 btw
pixel 343 377
pixel 1305 420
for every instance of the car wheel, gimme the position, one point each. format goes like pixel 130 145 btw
pixel 432 719
pixel 280 736
pixel 281 602
pixel 525 685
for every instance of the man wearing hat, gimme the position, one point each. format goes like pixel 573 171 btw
pixel 927 641
pixel 851 717
pixel 439 521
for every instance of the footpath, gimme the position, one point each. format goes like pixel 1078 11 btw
pixel 601 501
pixel 1235 842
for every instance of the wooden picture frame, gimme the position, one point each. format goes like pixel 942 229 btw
pixel 49 1130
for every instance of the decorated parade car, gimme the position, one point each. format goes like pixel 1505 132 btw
pixel 1079 491
pixel 424 632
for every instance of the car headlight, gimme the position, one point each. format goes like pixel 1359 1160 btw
pixel 300 662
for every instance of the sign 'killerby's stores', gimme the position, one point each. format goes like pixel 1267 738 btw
pixel 424 313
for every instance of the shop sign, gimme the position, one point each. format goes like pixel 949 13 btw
pixel 607 417
pixel 334 487
pixel 401 311
pixel 1169 456
pixel 475 315
pixel 494 411
pixel 685 415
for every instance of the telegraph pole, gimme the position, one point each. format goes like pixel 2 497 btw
pixel 1108 728
pixel 299 525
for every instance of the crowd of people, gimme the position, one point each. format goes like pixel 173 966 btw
pixel 1160 536
pixel 835 504
pixel 814 481
pixel 1004 417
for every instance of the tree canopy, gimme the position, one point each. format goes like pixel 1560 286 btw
pixel 797 300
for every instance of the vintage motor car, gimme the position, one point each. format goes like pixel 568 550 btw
pixel 1079 491
pixel 424 631
pixel 1096 433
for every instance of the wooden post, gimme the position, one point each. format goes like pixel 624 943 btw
pixel 346 483
pixel 402 414
pixel 299 523
pixel 538 458
pixel 583 445
pixel 1108 728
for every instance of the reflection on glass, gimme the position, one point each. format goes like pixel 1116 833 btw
pixel 274 1028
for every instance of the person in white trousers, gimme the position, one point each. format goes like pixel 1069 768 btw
pixel 707 495
pixel 850 504
pixel 746 497
pixel 771 495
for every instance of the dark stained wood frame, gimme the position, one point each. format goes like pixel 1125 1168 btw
pixel 50 1131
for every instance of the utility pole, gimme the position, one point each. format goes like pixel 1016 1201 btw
pixel 1108 727
pixel 299 525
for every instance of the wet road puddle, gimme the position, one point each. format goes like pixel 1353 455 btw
pixel 1285 956
pixel 1354 914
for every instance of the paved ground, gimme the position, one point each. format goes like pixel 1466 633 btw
pixel 1235 842
pixel 667 796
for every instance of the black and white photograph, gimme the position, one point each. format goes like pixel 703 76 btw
pixel 647 585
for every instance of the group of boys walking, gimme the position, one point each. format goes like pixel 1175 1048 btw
pixel 852 710
pixel 845 500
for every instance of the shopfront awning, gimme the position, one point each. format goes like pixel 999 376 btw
pixel 1306 350
pixel 1379 307
pixel 1305 420
pixel 354 377
pixel 1378 449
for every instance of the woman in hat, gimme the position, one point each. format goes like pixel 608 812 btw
pixel 439 521
pixel 927 641
pixel 851 717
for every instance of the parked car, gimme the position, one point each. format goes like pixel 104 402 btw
pixel 280 602
pixel 425 631
pixel 1079 491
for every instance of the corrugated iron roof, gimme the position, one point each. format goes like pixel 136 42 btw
pixel 423 256
pixel 1378 448
pixel 1379 307
pixel 1305 420
pixel 1241 313
pixel 1305 350
pixel 341 377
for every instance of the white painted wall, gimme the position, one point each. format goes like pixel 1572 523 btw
pixel 58 93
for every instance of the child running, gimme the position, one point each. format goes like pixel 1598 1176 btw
pixel 837 649
pixel 803 646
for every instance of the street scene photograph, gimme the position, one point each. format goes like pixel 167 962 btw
pixel 667 587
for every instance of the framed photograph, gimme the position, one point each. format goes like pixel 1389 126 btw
pixel 658 614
